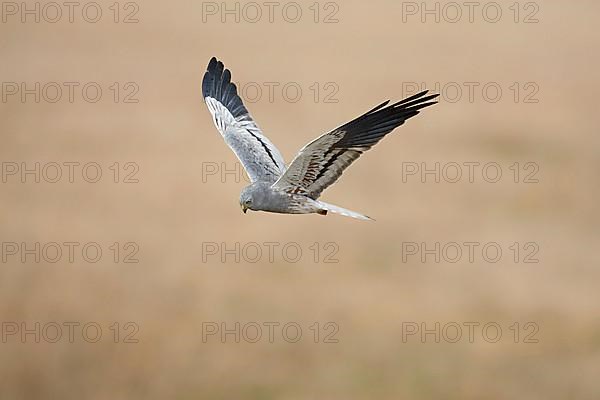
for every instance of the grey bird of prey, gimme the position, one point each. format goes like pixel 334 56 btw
pixel 296 189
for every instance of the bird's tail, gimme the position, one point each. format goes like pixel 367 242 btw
pixel 342 211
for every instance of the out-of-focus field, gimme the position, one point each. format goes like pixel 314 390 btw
pixel 371 294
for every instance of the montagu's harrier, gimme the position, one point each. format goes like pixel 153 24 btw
pixel 296 189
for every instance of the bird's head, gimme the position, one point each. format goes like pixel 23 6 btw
pixel 255 197
pixel 246 200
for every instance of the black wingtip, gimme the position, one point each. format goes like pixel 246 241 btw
pixel 213 61
pixel 217 84
pixel 416 99
pixel 370 127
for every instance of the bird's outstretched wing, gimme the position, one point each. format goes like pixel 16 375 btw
pixel 321 162
pixel 258 155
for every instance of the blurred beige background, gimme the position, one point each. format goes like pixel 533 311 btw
pixel 175 210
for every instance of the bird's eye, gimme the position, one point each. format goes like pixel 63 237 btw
pixel 248 202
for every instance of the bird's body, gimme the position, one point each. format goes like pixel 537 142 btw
pixel 295 189
pixel 262 196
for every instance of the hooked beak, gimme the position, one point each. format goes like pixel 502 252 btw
pixel 244 208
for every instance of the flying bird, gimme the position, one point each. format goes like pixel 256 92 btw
pixel 296 189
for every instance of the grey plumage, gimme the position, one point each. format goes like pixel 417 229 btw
pixel 296 189
pixel 260 157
